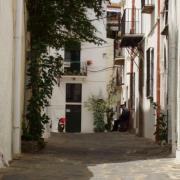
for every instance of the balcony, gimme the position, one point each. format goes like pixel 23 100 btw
pixel 113 18
pixel 119 55
pixel 119 61
pixel 113 24
pixel 147 6
pixel 74 69
pixel 165 20
pixel 131 29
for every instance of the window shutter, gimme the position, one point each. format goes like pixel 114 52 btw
pixel 148 73
pixel 152 72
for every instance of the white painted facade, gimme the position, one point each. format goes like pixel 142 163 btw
pixel 126 95
pixel 149 23
pixel 95 83
pixel 173 85
pixel 150 41
pixel 177 6
pixel 12 63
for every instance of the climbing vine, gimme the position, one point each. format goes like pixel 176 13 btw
pixel 112 92
pixel 98 107
pixel 51 24
pixel 161 126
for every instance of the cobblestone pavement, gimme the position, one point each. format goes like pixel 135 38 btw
pixel 100 156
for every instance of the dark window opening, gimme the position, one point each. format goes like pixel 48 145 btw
pixel 150 72
pixel 73 92
pixel 72 56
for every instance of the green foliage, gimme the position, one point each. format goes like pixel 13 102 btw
pixel 112 92
pixel 109 114
pixel 162 129
pixel 43 73
pixel 98 107
pixel 161 126
pixel 52 23
pixel 41 143
pixel 112 97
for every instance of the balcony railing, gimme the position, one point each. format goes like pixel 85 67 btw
pixel 113 24
pixel 113 18
pixel 147 6
pixel 165 24
pixel 75 68
pixel 131 27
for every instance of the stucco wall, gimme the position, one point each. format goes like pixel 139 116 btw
pixel 94 84
pixel 11 79
pixel 6 73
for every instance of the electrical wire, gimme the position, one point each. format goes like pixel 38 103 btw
pixel 97 47
pixel 104 69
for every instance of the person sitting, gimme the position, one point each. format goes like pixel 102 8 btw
pixel 122 123
pixel 124 118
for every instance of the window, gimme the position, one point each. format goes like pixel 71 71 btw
pixel 72 55
pixel 73 92
pixel 150 72
pixel 119 75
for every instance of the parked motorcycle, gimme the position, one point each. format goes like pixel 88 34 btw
pixel 61 124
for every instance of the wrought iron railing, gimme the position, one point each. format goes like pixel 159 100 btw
pixel 147 3
pixel 113 18
pixel 113 24
pixel 131 21
pixel 75 68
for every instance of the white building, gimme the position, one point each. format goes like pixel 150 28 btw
pixel 173 76
pixel 12 63
pixel 131 35
pixel 87 71
pixel 144 38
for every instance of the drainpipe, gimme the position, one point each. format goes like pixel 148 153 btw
pixel 17 96
pixel 132 67
pixel 158 85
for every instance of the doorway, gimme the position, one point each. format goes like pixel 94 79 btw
pixel 73 107
pixel 73 115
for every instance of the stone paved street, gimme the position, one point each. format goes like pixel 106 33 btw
pixel 101 156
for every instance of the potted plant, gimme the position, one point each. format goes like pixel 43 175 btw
pixel 98 107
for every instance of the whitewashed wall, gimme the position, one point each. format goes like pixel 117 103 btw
pixel 135 111
pixel 6 76
pixel 94 84
pixel 11 78
pixel 177 79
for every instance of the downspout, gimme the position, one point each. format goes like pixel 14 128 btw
pixel 158 95
pixel 132 66
pixel 17 116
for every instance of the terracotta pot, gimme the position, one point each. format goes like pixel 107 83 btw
pixel 89 62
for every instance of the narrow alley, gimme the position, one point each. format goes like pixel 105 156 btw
pixel 98 156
